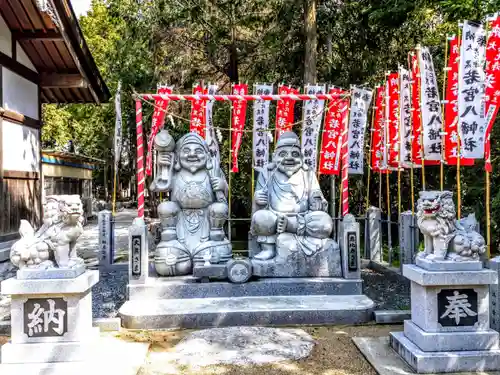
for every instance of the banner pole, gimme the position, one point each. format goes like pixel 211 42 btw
pixel 488 186
pixel 445 70
pixel 412 185
pixel 114 190
pixel 380 190
pixel 140 158
pixel 370 153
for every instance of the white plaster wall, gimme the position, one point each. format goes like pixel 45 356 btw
pixel 5 38
pixel 23 58
pixel 21 148
pixel 19 94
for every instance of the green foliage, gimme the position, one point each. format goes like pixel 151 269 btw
pixel 142 43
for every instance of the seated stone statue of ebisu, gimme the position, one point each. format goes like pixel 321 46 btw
pixel 194 216
pixel 291 229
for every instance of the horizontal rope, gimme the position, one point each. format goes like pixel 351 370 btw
pixel 192 97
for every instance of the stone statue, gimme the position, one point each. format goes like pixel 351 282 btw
pixel 290 216
pixel 446 238
pixel 193 218
pixel 53 245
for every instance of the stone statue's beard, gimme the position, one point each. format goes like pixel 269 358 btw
pixel 289 170
pixel 192 166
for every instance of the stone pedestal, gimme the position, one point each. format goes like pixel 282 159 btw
pixel 51 320
pixel 449 329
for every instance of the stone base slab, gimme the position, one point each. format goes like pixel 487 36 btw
pixel 326 263
pixel 386 361
pixel 443 362
pixel 449 278
pixel 215 271
pixel 109 356
pixel 51 273
pixel 49 351
pixel 449 265
pixel 250 311
pixel 188 287
pixel 450 341
pixel 79 284
pixel 391 316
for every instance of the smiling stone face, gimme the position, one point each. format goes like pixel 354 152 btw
pixel 288 160
pixel 288 155
pixel 193 157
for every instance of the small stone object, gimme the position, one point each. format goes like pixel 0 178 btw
pixel 241 346
pixel 239 271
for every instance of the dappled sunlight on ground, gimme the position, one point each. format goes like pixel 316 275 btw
pixel 334 354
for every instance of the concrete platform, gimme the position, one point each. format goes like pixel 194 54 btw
pixel 110 356
pixel 386 361
pixel 249 311
pixel 189 287
pixel 446 361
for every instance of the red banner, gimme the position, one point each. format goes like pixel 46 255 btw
pixel 285 111
pixel 336 117
pixel 393 125
pixel 492 92
pixel 157 123
pixel 451 108
pixel 238 122
pixel 378 131
pixel 197 124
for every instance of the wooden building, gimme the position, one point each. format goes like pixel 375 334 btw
pixel 43 59
pixel 68 173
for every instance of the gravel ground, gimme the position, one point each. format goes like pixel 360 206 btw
pixel 333 354
pixel 388 290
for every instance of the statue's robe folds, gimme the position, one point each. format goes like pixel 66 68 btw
pixel 291 196
pixel 194 196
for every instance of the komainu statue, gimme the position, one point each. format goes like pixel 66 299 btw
pixel 53 245
pixel 194 216
pixel 291 228
pixel 446 238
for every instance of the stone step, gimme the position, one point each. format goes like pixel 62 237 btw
pixel 250 311
pixel 188 287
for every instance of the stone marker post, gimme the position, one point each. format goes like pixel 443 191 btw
pixel 375 234
pixel 106 251
pixel 494 265
pixel 408 238
pixel 138 269
pixel 349 247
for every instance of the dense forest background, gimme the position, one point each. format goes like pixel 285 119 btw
pixel 342 42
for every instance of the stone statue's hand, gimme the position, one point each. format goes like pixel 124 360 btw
pixel 165 158
pixel 217 183
pixel 261 197
pixel 281 224
pixel 316 204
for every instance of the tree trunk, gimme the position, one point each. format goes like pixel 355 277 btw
pixel 311 41
pixel 233 59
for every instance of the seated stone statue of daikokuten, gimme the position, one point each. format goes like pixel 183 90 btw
pixel 193 218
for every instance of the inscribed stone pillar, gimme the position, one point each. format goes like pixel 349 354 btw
pixel 138 252
pixel 375 239
pixel 349 247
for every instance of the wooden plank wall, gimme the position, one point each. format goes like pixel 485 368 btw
pixel 20 198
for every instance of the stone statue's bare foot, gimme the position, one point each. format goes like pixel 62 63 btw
pixel 281 224
pixel 268 252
